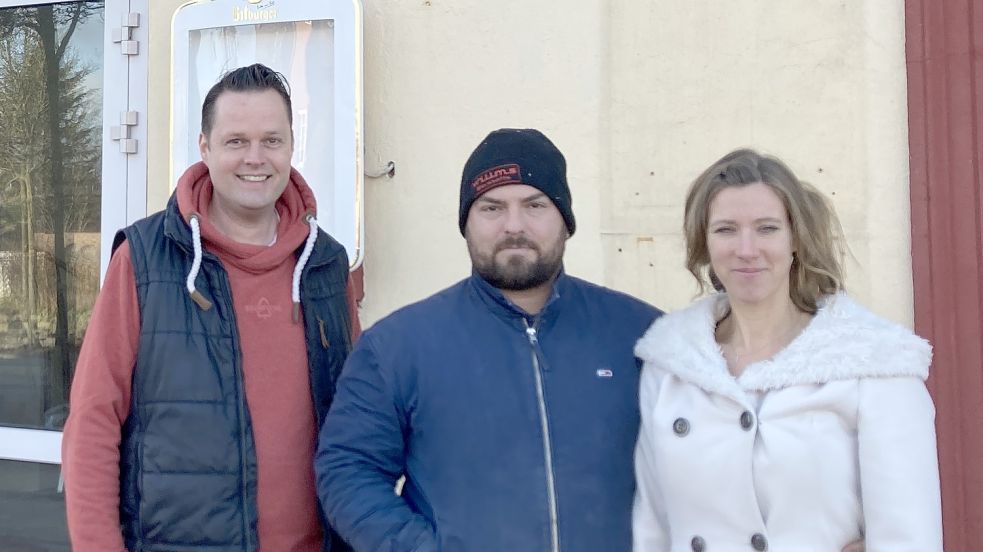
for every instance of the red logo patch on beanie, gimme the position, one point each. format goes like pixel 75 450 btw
pixel 495 177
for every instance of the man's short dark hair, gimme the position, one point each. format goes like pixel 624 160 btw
pixel 254 78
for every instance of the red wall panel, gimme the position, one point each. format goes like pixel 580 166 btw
pixel 945 107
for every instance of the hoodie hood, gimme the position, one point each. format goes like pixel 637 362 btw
pixel 843 341
pixel 297 226
pixel 194 195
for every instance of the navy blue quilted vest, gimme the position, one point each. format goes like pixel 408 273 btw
pixel 187 458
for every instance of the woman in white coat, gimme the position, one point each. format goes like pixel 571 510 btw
pixel 778 414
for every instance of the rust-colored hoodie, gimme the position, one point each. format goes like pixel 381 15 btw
pixel 275 372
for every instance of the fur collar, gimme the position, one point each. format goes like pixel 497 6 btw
pixel 843 341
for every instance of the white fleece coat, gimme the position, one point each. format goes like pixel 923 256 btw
pixel 841 446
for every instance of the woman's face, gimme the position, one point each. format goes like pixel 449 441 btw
pixel 749 239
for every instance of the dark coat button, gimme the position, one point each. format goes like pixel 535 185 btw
pixel 759 542
pixel 747 420
pixel 680 427
pixel 698 544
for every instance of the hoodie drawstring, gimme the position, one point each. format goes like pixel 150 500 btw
pixel 196 296
pixel 205 304
pixel 301 262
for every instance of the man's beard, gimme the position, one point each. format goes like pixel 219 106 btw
pixel 515 272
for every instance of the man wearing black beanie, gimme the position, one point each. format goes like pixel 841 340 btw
pixel 508 401
pixel 516 156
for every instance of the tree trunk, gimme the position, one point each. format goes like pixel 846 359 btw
pixel 30 254
pixel 52 63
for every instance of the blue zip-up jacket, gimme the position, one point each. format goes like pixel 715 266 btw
pixel 514 432
pixel 187 457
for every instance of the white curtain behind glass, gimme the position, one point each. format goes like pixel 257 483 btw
pixel 304 53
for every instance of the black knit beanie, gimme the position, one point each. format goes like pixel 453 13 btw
pixel 516 156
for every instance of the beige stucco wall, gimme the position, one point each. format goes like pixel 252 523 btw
pixel 640 96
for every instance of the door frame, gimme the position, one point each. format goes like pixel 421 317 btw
pixel 945 111
pixel 123 186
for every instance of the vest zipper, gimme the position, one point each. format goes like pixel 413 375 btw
pixel 240 390
pixel 547 443
pixel 241 411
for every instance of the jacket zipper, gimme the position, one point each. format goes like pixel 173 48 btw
pixel 547 443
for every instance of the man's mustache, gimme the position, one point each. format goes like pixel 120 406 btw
pixel 516 242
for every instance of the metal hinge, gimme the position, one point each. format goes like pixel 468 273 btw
pixel 123 35
pixel 121 132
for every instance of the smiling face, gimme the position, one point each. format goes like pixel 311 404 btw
pixel 749 239
pixel 248 153
pixel 516 237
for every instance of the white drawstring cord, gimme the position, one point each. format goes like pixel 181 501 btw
pixel 197 297
pixel 301 262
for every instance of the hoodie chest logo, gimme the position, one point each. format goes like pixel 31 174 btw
pixel 263 308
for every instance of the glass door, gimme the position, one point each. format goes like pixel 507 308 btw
pixel 52 239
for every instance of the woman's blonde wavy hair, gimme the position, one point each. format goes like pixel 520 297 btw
pixel 817 237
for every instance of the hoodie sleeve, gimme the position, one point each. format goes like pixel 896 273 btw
pixel 361 456
pixel 100 403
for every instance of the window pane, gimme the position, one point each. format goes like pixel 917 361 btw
pixel 50 162
pixel 32 508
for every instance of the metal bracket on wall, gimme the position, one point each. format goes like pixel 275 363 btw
pixel 389 170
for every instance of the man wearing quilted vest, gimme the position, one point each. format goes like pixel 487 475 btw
pixel 209 362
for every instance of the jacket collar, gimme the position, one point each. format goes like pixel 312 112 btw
pixel 495 300
pixel 843 341
pixel 175 227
